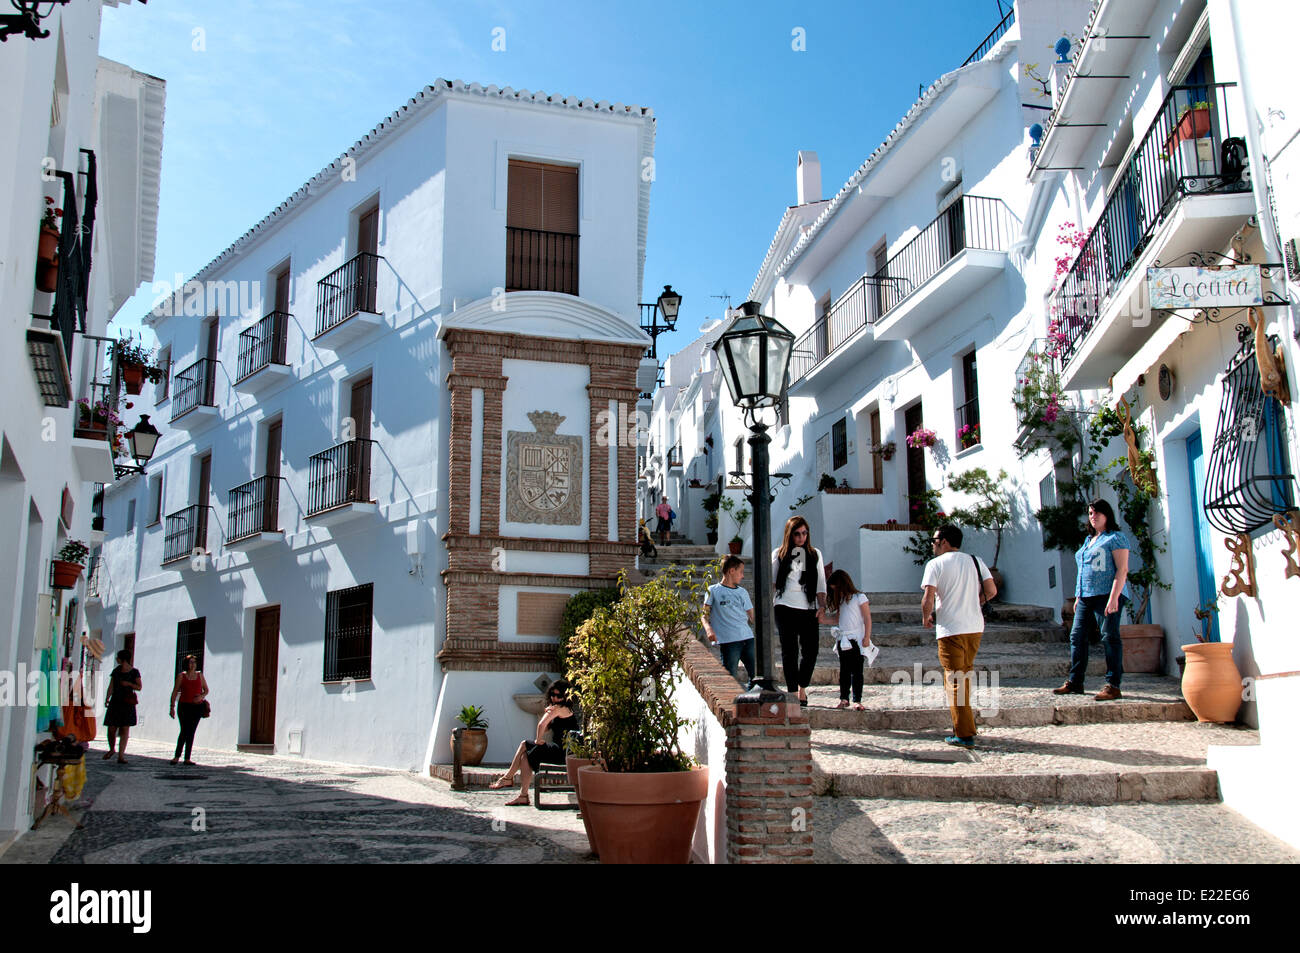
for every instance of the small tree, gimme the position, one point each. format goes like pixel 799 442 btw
pixel 992 509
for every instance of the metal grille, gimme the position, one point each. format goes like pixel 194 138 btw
pixel 541 261
pixel 347 290
pixel 967 419
pixel 186 532
pixel 1248 476
pixel 254 507
pixel 338 476
pixel 189 641
pixel 263 344
pixel 348 620
pixel 195 387
pixel 1180 154
pixel 93 576
pixel 992 38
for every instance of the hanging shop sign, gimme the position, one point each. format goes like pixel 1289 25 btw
pixel 1204 286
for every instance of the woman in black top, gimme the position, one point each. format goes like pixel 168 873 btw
pixel 558 720
pixel 122 686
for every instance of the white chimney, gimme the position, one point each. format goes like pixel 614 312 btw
pixel 808 177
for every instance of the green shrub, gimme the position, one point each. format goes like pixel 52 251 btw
pixel 577 610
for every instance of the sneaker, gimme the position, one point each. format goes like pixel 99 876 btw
pixel 1068 689
pixel 961 742
pixel 1108 694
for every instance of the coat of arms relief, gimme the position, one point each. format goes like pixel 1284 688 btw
pixel 544 473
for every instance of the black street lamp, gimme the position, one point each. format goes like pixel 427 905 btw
pixel 754 356
pixel 667 306
pixel 142 440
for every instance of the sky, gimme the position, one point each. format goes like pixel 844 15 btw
pixel 261 94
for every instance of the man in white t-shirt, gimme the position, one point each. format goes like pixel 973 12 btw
pixel 960 583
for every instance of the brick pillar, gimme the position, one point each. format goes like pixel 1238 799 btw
pixel 769 785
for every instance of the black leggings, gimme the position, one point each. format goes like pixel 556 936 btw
pixel 799 636
pixel 850 671
pixel 189 714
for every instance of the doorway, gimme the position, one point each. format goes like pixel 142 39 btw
pixel 913 421
pixel 266 665
pixel 1207 590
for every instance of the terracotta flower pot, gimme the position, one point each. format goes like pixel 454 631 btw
pixel 573 764
pixel 1000 581
pixel 735 547
pixel 1211 682
pixel 1143 648
pixel 47 276
pixel 66 574
pixel 48 246
pixel 645 818
pixel 133 378
pixel 473 746
pixel 1067 613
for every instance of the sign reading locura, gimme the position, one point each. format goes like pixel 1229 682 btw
pixel 1236 286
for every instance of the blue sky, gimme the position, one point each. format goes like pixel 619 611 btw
pixel 279 88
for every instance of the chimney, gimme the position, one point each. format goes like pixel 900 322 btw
pixel 808 178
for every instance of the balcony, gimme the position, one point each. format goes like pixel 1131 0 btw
pixel 94 434
pixel 346 308
pixel 991 40
pixel 838 331
pixel 1038 397
pixel 541 261
pixel 338 483
pixel 262 348
pixel 675 458
pixel 194 395
pixel 186 534
pixel 94 572
pixel 966 424
pixel 97 534
pixel 1174 197
pixel 954 256
pixel 253 509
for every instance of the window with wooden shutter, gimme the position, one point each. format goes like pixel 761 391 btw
pixel 542 227
pixel 189 641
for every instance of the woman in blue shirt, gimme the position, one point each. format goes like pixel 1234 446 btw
pixel 1102 562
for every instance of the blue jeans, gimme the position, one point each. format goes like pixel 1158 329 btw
pixel 1090 616
pixel 734 653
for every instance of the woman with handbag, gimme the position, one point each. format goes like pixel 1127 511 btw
pixel 120 716
pixel 192 690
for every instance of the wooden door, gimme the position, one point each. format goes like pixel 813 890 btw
pixel 271 500
pixel 912 420
pixel 877 460
pixel 209 368
pixel 266 665
pixel 359 458
pixel 280 325
pixel 367 242
pixel 205 487
pixel 282 289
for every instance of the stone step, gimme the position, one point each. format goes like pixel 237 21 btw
pixel 1010 660
pixel 1015 703
pixel 888 635
pixel 1080 764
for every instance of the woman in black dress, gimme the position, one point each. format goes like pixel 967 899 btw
pixel 122 686
pixel 558 720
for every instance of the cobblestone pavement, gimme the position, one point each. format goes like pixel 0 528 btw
pixel 884 831
pixel 243 808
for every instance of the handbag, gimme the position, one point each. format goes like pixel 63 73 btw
pixel 979 589
pixel 205 710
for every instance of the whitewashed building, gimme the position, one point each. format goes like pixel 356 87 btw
pixel 1183 155
pixel 385 470
pixel 86 133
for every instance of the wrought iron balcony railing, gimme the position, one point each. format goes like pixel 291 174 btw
pixel 93 573
pixel 338 476
pixel 186 533
pixel 967 423
pixel 992 38
pixel 254 507
pixel 541 261
pixel 1182 153
pixel 347 290
pixel 263 344
pixel 675 457
pixel 195 386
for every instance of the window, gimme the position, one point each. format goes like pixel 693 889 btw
pixel 348 619
pixel 162 390
pixel 541 227
pixel 128 644
pixel 967 421
pixel 189 641
pixel 839 443
pixel 130 515
pixel 155 500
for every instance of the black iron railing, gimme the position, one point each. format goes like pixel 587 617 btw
pixel 541 261
pixel 254 507
pixel 992 38
pixel 1182 153
pixel 347 290
pixel 338 476
pixel 97 509
pixel 186 533
pixel 263 344
pixel 93 577
pixel 675 457
pixel 967 423
pixel 76 239
pixel 349 617
pixel 196 386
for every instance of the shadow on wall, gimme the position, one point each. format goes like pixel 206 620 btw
pixel 1243 653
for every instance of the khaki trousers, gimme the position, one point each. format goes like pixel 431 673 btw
pixel 957 656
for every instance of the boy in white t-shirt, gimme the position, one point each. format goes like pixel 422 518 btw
pixel 960 583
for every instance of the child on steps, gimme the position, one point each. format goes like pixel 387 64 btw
pixel 850 612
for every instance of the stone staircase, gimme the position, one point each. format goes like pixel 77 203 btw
pixel 1034 747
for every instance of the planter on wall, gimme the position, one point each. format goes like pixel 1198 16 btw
pixel 47 276
pixel 1143 648
pixel 66 574
pixel 643 818
pixel 48 246
pixel 1194 124
pixel 133 378
pixel 1211 682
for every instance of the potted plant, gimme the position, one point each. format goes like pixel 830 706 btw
pixel 93 419
pixel 968 435
pixel 137 365
pixel 827 482
pixel 69 563
pixel 920 437
pixel 644 806
pixel 737 542
pixel 885 451
pixel 711 503
pixel 991 511
pixel 47 249
pixel 473 735
pixel 1193 123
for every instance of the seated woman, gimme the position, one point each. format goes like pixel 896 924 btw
pixel 558 720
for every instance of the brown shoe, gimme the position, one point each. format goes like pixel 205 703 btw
pixel 1068 689
pixel 1108 694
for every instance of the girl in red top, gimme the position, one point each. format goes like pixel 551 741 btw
pixel 192 689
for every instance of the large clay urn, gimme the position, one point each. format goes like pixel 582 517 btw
pixel 1211 682
pixel 473 745
pixel 573 764
pixel 643 818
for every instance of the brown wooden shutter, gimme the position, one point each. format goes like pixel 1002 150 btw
pixel 560 199
pixel 524 195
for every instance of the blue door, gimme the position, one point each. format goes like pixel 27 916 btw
pixel 1201 533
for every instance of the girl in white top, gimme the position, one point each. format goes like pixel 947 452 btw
pixel 848 610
